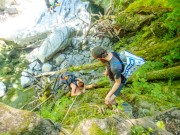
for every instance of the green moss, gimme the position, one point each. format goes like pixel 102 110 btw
pixel 77 132
pixel 131 23
pixel 120 5
pixel 164 96
pixel 23 124
pixel 148 5
pixel 96 130
pixel 86 66
pixel 18 97
pixel 5 133
pixel 160 49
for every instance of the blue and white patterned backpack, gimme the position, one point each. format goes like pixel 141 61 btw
pixel 131 63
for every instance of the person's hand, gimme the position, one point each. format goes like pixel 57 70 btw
pixel 107 100
pixel 106 73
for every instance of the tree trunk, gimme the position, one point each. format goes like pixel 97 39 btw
pixel 169 73
pixel 156 52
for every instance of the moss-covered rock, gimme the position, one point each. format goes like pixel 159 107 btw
pixel 14 121
pixel 7 69
pixel 93 127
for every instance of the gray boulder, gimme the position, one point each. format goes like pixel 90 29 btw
pixel 123 126
pixel 46 67
pixel 56 42
pixel 59 59
pixel 26 81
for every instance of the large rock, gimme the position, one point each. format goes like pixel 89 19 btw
pixel 14 121
pixel 38 24
pixel 56 42
pixel 122 126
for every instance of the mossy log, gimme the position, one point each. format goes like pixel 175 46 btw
pixel 169 73
pixel 156 52
pixel 173 73
pixel 74 68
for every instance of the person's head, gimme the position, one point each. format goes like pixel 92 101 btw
pixel 80 84
pixel 98 52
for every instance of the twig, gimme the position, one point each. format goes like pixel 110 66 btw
pixel 29 103
pixel 64 131
pixel 41 103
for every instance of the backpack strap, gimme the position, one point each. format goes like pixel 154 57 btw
pixel 117 56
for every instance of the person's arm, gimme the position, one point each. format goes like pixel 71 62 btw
pixel 113 89
pixel 106 72
pixel 74 91
pixel 116 71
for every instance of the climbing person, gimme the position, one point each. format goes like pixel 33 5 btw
pixel 76 85
pixel 119 67
pixel 51 5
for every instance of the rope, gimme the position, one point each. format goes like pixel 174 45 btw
pixel 41 103
pixel 69 109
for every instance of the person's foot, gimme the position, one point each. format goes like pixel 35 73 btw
pixel 115 108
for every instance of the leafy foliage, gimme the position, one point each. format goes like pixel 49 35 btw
pixel 174 55
pixel 172 20
pixel 138 130
pixel 160 124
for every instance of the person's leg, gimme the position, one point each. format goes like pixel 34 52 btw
pixel 113 97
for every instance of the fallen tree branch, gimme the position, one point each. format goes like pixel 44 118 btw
pixel 75 68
